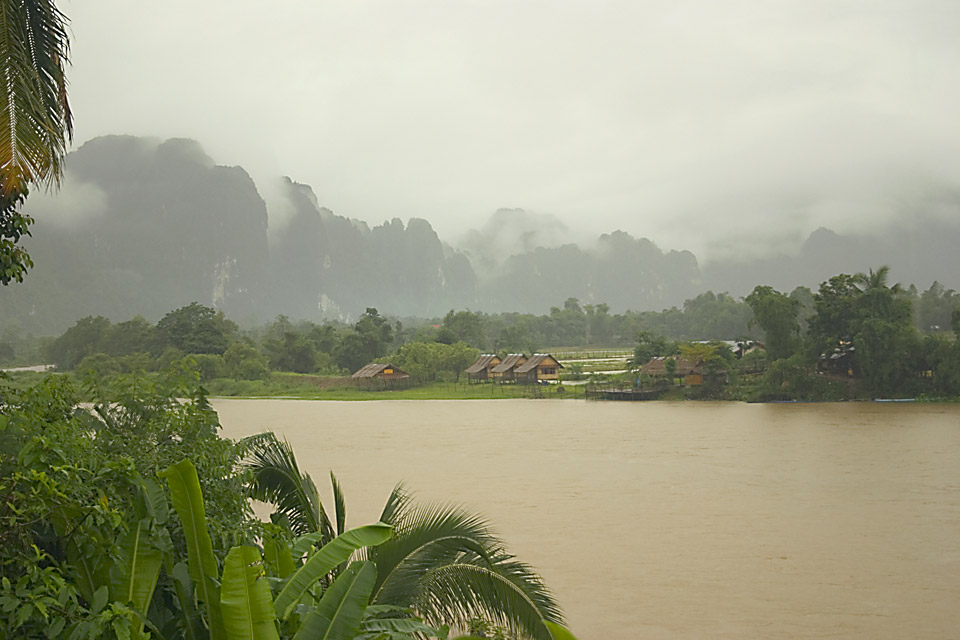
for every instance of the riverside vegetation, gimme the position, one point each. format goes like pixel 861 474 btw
pixel 131 518
pixel 857 336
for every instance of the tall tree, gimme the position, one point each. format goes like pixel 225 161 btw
pixel 776 314
pixel 371 338
pixel 837 310
pixel 196 329
pixel 36 123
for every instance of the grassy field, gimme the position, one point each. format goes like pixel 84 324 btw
pixel 309 387
pixel 306 388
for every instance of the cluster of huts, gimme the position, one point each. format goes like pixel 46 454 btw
pixel 542 367
pixel 515 367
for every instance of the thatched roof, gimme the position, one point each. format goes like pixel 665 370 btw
pixel 657 366
pixel 374 369
pixel 537 360
pixel 485 361
pixel 512 360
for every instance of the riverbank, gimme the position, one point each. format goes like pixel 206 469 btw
pixel 291 386
pixel 315 388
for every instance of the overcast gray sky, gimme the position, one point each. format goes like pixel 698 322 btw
pixel 689 122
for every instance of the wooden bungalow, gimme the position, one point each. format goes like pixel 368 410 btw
pixel 480 370
pixel 691 371
pixel 384 376
pixel 538 368
pixel 505 370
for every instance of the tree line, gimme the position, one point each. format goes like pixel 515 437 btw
pixel 790 323
pixel 861 328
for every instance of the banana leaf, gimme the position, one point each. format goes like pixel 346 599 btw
pixel 245 599
pixel 140 562
pixel 405 627
pixel 338 614
pixel 188 503
pixel 323 561
pixel 191 625
pixel 277 555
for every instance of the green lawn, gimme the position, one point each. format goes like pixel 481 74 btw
pixel 310 387
pixel 305 387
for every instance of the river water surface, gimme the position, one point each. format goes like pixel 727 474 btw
pixel 674 520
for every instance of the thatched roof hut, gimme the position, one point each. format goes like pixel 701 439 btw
pixel 480 370
pixel 539 366
pixel 382 374
pixel 505 370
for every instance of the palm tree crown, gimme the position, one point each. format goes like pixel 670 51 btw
pixel 443 563
pixel 35 118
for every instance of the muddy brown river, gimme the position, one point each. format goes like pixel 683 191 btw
pixel 675 520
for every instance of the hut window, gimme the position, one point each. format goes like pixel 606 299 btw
pixel 549 371
pixel 387 371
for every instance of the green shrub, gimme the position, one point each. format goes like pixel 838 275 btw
pixel 244 362
pixel 98 365
pixel 208 365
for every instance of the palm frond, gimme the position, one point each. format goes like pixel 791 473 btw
pixel 35 118
pixel 339 505
pixel 429 540
pixel 397 503
pixel 425 537
pixel 277 480
pixel 455 593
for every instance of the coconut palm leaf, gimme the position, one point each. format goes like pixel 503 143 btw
pixel 873 279
pixel 35 117
pixel 455 593
pixel 277 479
pixel 397 503
pixel 339 506
pixel 418 568
pixel 443 563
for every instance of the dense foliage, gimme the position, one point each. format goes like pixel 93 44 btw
pixel 856 337
pixel 131 519
pixel 862 331
pixel 79 483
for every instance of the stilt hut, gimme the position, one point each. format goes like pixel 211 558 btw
pixel 538 368
pixel 480 370
pixel 382 376
pixel 504 371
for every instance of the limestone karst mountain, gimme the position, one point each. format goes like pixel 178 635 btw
pixel 144 226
